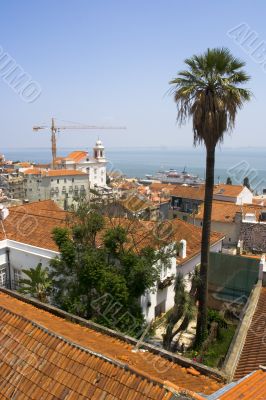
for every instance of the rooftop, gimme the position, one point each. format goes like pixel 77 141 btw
pixel 254 351
pixel 53 172
pixel 59 359
pixel 225 211
pixel 251 387
pixel 33 224
pixel 197 192
pixel 77 155
pixel 62 172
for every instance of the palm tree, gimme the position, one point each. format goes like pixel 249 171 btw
pixel 209 92
pixel 38 283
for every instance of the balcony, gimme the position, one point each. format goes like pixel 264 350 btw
pixel 167 281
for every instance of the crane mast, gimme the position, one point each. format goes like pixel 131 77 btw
pixel 53 140
pixel 55 128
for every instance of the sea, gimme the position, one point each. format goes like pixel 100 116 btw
pixel 139 161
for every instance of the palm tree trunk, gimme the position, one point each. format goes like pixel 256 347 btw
pixel 202 332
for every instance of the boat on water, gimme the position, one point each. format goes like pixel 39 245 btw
pixel 175 177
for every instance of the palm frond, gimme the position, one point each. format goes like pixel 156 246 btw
pixel 210 92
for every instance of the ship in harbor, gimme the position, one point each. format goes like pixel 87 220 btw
pixel 174 177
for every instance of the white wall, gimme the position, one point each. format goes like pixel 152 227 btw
pixel 245 197
pixel 156 296
pixel 23 256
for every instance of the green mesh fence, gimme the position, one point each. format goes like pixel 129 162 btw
pixel 231 278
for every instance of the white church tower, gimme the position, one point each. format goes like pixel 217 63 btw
pixel 99 152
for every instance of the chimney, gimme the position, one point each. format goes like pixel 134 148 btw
pixel 183 248
pixel 262 270
pixel 240 247
pixel 4 212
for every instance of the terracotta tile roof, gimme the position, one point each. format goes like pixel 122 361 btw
pixel 32 171
pixel 35 206
pixel 58 359
pixel 252 387
pixel 197 192
pixel 77 156
pixel 189 192
pixel 53 172
pixel 33 223
pixel 23 164
pixel 126 185
pixel 9 170
pixel 156 186
pixel 254 351
pixel 149 233
pixel 62 172
pixel 136 203
pixel 228 190
pixel 192 234
pixel 260 201
pixel 225 212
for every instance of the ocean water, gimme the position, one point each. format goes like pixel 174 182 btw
pixel 137 162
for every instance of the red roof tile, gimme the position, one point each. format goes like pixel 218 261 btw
pixel 77 155
pixel 33 224
pixel 197 192
pixel 56 357
pixel 254 351
pixel 62 172
pixel 53 172
pixel 253 387
pixel 223 211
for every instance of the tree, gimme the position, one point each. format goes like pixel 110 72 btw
pixel 183 310
pixel 99 275
pixel 38 284
pixel 246 182
pixel 229 181
pixel 209 92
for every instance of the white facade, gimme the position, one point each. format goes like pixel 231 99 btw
pixel 94 166
pixel 21 256
pixel 153 303
pixel 244 197
pixel 63 189
pixel 157 301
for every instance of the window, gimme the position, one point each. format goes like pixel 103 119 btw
pixel 52 180
pixel 73 179
pixel 17 276
pixel 95 171
pixel 65 180
pixel 3 277
pixel 57 180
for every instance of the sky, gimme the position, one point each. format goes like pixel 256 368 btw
pixel 109 62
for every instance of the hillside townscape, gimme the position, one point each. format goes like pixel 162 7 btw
pixel 116 283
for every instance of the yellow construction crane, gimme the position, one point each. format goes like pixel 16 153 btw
pixel 57 128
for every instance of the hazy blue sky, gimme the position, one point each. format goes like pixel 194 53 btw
pixel 110 61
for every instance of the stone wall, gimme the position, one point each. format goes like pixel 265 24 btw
pixel 253 236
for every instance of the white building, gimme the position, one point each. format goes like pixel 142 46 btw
pixel 160 299
pixel 94 166
pixel 236 194
pixel 62 186
pixel 227 218
pixel 26 241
